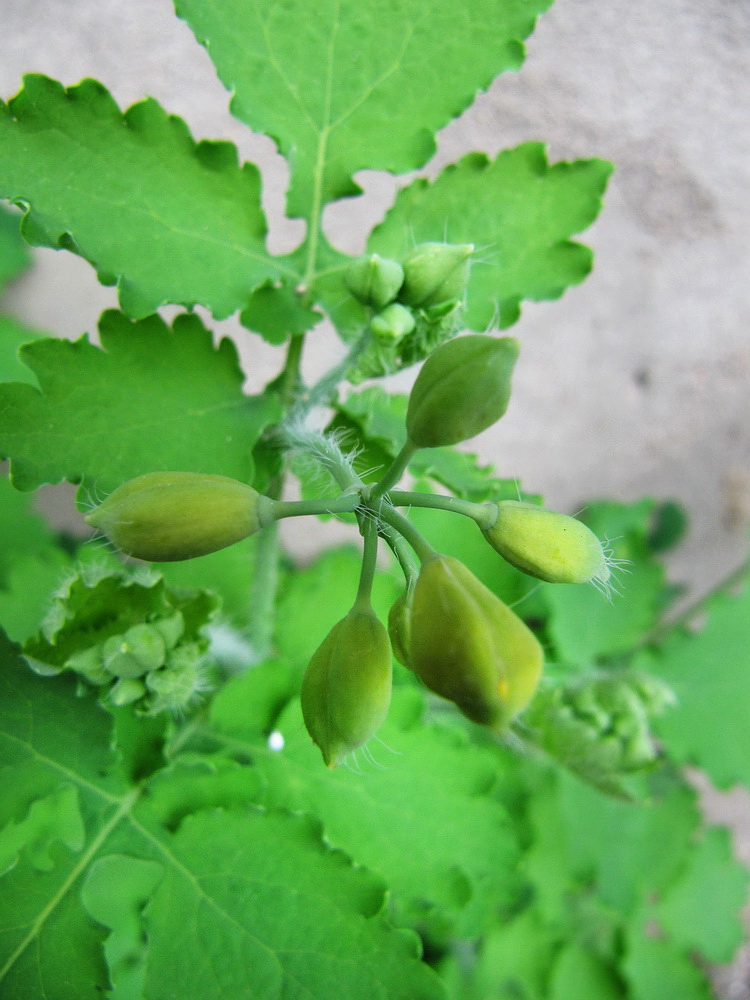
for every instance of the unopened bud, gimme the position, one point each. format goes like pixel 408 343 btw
pixel 168 516
pixel 547 545
pixel 374 280
pixel 346 690
pixel 393 323
pixel 435 273
pixel 462 389
pixel 469 647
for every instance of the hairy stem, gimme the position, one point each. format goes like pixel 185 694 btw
pixel 369 529
pixel 395 470
pixel 417 541
pixel 482 513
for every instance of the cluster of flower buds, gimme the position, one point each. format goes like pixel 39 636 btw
pixel 415 304
pixel 457 636
pixel 150 666
pixel 127 634
pixel 600 728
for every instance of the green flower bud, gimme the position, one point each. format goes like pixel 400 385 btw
pixel 346 690
pixel 547 545
pixel 373 280
pixel 469 647
pixel 118 660
pixel 399 628
pixel 126 691
pixel 435 273
pixel 171 629
pixel 167 516
pixel 178 682
pixel 393 323
pixel 462 388
pixel 89 663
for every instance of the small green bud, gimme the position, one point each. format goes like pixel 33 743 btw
pixel 171 629
pixel 89 663
pixel 435 273
pixel 399 627
pixel 346 690
pixel 373 280
pixel 178 682
pixel 118 660
pixel 126 691
pixel 393 323
pixel 469 647
pixel 168 516
pixel 547 545
pixel 462 388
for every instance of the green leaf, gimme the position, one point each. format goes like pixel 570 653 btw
pixel 102 414
pixel 225 888
pixel 429 798
pixel 14 255
pixel 584 626
pixel 709 671
pixel 114 893
pixel 58 786
pixel 21 529
pixel 55 817
pixel 164 218
pixel 578 973
pixel 14 335
pixel 655 968
pixel 518 211
pixel 276 312
pixel 28 589
pixel 356 86
pixel 711 873
pixel 233 883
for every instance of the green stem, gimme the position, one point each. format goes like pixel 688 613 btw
pixel 483 513
pixel 369 528
pixel 402 525
pixel 263 592
pixel 657 634
pixel 345 504
pixel 402 552
pixel 263 589
pixel 394 471
pixel 325 388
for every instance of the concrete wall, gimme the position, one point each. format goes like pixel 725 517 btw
pixel 635 382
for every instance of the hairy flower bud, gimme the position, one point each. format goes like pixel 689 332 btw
pixel 468 646
pixel 167 516
pixel 374 280
pixel 346 690
pixel 393 323
pixel 462 388
pixel 435 273
pixel 547 545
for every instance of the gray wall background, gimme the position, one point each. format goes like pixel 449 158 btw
pixel 636 382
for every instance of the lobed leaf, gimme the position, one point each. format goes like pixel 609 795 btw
pixel 224 888
pixel 166 219
pixel 103 414
pixel 428 797
pixel 14 255
pixel 709 671
pixel 365 85
pixel 519 212
pixel 13 335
